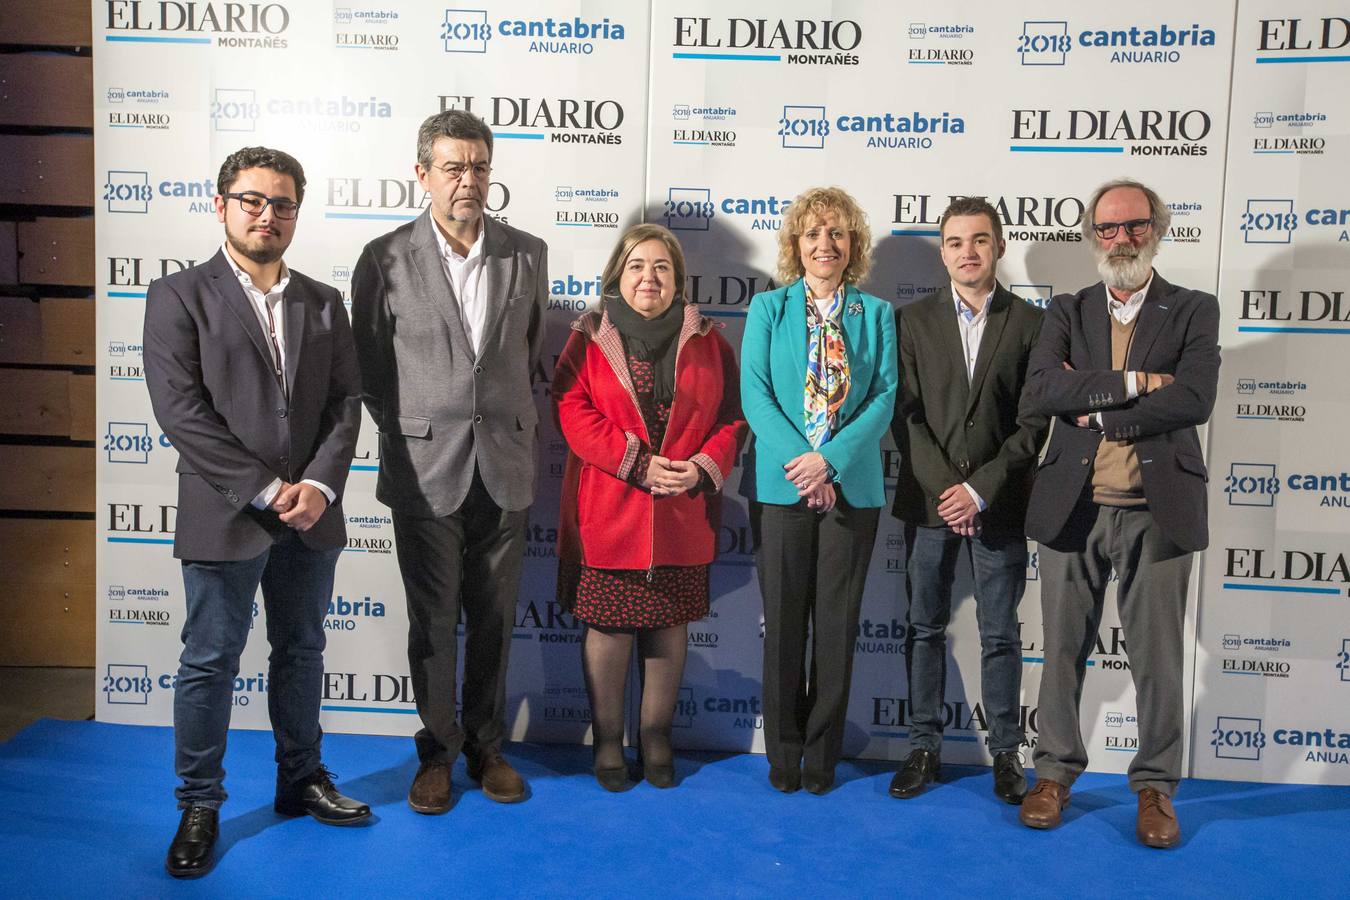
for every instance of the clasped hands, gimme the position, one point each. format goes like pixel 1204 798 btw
pixel 810 475
pixel 299 505
pixel 667 477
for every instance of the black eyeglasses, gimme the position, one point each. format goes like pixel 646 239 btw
pixel 1134 228
pixel 254 203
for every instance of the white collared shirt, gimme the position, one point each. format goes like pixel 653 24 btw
pixel 262 303
pixel 465 273
pixel 971 325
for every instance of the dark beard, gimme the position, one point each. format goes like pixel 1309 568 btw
pixel 259 255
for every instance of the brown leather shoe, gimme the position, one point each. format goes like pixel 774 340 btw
pixel 430 791
pixel 1157 825
pixel 1042 807
pixel 500 782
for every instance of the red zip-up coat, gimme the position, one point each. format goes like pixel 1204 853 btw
pixel 607 522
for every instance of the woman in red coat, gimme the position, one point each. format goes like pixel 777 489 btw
pixel 647 397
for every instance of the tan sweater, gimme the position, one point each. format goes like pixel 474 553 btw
pixel 1115 475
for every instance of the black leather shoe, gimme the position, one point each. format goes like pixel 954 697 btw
pixel 817 782
pixel 920 769
pixel 1010 782
pixel 789 781
pixel 315 796
pixel 192 853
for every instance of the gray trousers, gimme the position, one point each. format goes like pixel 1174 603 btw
pixel 1151 597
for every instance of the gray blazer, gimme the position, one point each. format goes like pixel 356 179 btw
pixel 213 389
pixel 1177 332
pixel 441 408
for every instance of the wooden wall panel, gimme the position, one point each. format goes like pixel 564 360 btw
pixel 67 331
pixel 59 479
pixel 47 169
pixel 48 602
pixel 9 253
pixel 57 251
pixel 51 90
pixel 20 330
pixel 49 23
pixel 83 415
pixel 48 551
pixel 35 401
pixel 54 625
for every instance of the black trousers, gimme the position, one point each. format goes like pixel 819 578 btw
pixel 812 567
pixel 469 562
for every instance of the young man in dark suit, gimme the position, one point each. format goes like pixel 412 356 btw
pixel 1130 366
pixel 252 375
pixel 966 463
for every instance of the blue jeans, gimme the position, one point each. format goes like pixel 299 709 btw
pixel 297 585
pixel 1000 574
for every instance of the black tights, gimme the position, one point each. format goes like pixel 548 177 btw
pixel 605 654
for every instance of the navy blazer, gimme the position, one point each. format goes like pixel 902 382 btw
pixel 1176 333
pixel 215 393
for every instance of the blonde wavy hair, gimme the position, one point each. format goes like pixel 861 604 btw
pixel 813 205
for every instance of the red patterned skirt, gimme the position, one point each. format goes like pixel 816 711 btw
pixel 624 598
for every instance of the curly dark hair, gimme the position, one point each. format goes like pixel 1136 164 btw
pixel 260 158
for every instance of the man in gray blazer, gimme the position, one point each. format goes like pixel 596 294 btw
pixel 253 377
pixel 448 316
pixel 966 460
pixel 1130 366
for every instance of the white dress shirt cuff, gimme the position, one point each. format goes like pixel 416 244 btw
pixel 1131 385
pixel 267 495
pixel 979 501
pixel 327 491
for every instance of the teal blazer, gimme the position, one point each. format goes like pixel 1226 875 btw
pixel 773 379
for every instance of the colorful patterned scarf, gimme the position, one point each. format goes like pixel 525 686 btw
pixel 827 375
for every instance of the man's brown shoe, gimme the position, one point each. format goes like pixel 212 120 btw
pixel 1157 825
pixel 430 791
pixel 500 782
pixel 1042 807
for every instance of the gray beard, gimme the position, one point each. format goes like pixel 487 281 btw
pixel 1126 273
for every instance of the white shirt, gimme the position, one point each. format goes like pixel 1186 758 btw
pixel 263 303
pixel 971 325
pixel 465 273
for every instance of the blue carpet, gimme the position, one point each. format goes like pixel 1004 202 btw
pixel 88 808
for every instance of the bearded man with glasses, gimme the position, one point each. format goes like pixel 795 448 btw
pixel 253 377
pixel 1130 367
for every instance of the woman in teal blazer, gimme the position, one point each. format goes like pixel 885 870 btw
pixel 818 381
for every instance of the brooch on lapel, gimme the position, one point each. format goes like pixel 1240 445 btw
pixel 855 308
